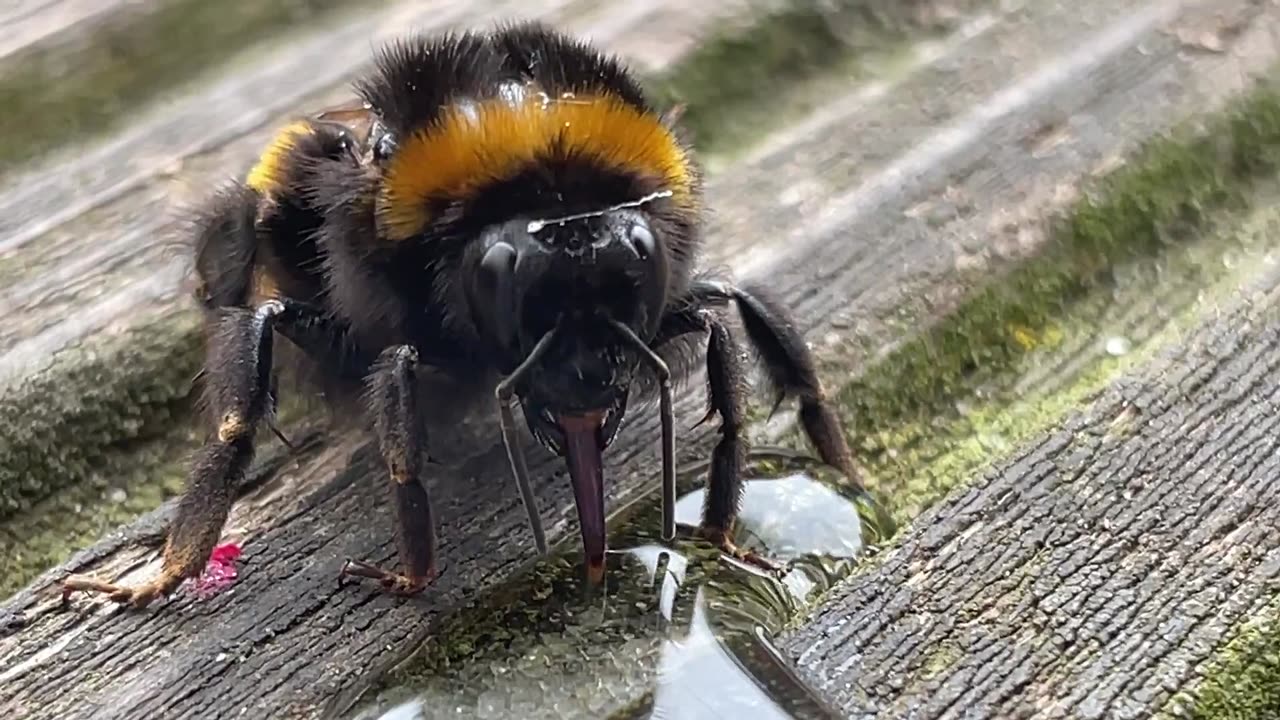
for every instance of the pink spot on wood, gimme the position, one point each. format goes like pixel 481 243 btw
pixel 219 573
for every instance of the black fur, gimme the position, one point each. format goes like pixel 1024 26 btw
pixel 561 64
pixel 415 77
pixel 225 243
pixel 470 295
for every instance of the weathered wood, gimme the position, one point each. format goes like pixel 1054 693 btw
pixel 286 640
pixel 25 24
pixel 1089 574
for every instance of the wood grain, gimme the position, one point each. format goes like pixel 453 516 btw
pixel 1091 573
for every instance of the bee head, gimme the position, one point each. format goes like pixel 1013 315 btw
pixel 569 298
pixel 576 274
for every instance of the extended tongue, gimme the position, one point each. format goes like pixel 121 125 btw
pixel 585 456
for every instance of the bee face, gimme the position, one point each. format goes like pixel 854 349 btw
pixel 574 275
pixel 530 275
pixel 566 285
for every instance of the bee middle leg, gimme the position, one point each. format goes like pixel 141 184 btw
pixel 402 441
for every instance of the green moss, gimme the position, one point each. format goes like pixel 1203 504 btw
pixel 120 482
pixel 922 463
pixel 939 658
pixel 78 91
pixel 132 481
pixel 57 426
pixel 1242 681
pixel 735 83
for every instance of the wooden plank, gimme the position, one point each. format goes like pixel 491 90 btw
pixel 1093 572
pixel 287 641
pixel 28 23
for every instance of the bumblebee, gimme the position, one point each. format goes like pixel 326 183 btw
pixel 505 208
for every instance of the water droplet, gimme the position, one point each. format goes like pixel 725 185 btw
pixel 1118 346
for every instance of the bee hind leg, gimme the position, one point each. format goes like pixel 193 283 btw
pixel 792 371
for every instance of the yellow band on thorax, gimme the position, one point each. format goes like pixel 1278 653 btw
pixel 472 146
pixel 264 177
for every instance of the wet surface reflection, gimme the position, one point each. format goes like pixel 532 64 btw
pixel 678 631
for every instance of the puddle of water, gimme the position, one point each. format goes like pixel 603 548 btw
pixel 678 630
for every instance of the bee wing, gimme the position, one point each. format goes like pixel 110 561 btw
pixel 357 117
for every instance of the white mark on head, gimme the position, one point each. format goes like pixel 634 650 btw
pixel 537 226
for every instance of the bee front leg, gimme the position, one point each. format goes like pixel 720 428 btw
pixel 402 440
pixel 238 376
pixel 726 390
pixel 727 394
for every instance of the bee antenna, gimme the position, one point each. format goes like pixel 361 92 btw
pixel 660 369
pixel 515 454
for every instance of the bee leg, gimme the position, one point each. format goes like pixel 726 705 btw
pixel 726 390
pixel 402 440
pixel 792 371
pixel 238 376
pixel 727 395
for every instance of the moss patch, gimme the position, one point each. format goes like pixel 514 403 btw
pixel 1242 682
pixel 726 81
pixel 56 427
pixel 131 482
pixel 939 659
pixel 83 90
